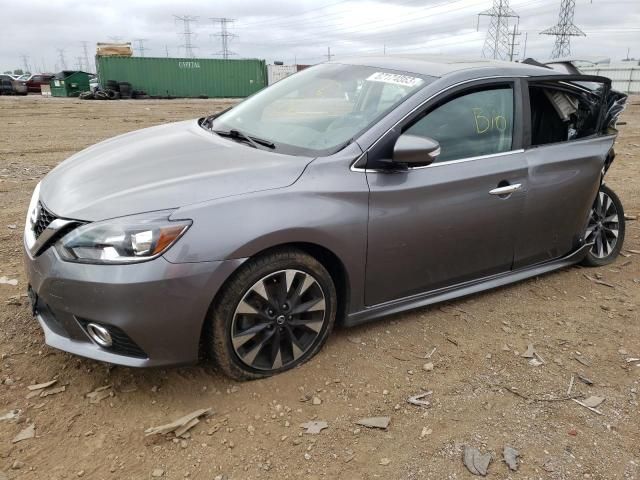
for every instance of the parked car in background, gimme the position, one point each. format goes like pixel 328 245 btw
pixel 35 81
pixel 11 86
pixel 343 193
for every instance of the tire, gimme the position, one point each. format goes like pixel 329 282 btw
pixel 112 85
pixel 263 328
pixel 606 228
pixel 125 90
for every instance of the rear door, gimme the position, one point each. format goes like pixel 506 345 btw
pixel 566 149
pixel 448 222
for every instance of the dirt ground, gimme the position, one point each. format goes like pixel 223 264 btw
pixel 485 394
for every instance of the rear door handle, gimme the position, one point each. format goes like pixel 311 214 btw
pixel 506 190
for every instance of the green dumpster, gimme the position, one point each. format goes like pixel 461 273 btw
pixel 69 83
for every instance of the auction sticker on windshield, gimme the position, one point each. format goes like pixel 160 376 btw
pixel 395 78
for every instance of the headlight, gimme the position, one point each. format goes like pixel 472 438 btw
pixel 122 240
pixel 32 217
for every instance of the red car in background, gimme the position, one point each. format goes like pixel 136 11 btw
pixel 36 80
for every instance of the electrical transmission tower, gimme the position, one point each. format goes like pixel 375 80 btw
pixel 85 51
pixel 140 47
pixel 187 34
pixel 63 62
pixel 25 63
pixel 79 63
pixel 330 55
pixel 497 43
pixel 564 30
pixel 224 35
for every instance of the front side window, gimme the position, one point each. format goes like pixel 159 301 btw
pixel 322 108
pixel 470 125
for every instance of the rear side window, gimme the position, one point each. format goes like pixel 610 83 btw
pixel 559 115
pixel 470 125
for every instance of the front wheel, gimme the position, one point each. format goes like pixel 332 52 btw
pixel 273 315
pixel 605 229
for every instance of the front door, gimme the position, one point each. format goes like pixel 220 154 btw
pixel 454 220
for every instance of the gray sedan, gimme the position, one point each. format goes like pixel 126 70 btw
pixel 349 191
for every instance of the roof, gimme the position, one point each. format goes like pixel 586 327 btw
pixel 439 66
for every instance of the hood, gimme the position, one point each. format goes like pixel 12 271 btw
pixel 160 168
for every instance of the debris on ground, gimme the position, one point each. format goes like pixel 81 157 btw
pixel 314 427
pixel 40 386
pixel 356 340
pixel 99 394
pixel 476 463
pixel 582 360
pixel 585 380
pixel 316 401
pixel 428 367
pixel 8 281
pixel 425 431
pixel 25 434
pixel 535 359
pixel 385 461
pixel 571 382
pixel 51 391
pixel 591 403
pixel 179 426
pixel 11 415
pixel 375 422
pixel 157 473
pixel 418 399
pixel 511 455
pixel 598 281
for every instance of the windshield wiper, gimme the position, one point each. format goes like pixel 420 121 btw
pixel 238 134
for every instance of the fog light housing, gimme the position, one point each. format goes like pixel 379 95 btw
pixel 99 334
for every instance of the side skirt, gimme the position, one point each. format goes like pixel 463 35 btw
pixel 460 290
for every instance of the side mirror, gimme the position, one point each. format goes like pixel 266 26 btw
pixel 412 150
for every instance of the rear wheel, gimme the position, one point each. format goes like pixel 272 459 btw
pixel 273 315
pixel 606 229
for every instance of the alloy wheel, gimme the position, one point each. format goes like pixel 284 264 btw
pixel 278 319
pixel 604 227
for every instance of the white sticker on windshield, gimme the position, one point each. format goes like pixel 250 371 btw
pixel 395 79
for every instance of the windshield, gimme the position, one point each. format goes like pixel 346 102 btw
pixel 319 110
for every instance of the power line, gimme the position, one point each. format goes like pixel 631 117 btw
pixel 79 63
pixel 280 17
pixel 564 30
pixel 140 45
pixel 496 44
pixel 224 35
pixel 187 33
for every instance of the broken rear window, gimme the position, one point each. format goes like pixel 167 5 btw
pixel 563 111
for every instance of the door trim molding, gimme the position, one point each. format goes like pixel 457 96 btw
pixel 441 164
pixel 467 288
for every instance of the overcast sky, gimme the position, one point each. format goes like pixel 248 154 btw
pixel 300 30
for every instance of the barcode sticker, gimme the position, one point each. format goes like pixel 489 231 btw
pixel 396 79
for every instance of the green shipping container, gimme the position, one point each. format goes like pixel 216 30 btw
pixel 185 77
pixel 69 83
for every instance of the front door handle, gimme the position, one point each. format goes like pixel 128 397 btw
pixel 506 190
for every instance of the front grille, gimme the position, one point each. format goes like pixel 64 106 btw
pixel 45 217
pixel 122 343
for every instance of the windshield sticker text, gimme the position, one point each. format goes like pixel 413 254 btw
pixel 395 79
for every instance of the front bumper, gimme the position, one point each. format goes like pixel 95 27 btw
pixel 156 309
